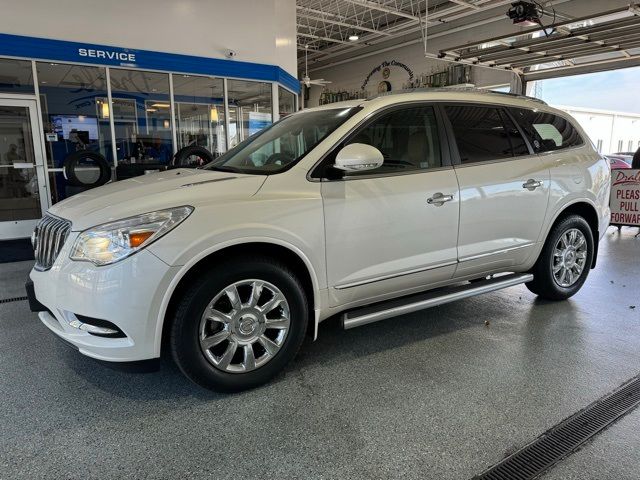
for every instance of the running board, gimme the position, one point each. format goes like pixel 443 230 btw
pixel 421 301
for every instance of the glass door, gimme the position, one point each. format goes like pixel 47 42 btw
pixel 22 186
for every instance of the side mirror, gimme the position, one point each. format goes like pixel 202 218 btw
pixel 358 157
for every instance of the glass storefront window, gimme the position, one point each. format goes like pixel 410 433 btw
pixel 16 76
pixel 199 110
pixel 142 121
pixel 250 108
pixel 286 102
pixel 73 100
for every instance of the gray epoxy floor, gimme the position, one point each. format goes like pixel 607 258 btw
pixel 434 395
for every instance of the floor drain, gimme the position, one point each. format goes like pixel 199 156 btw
pixel 560 441
pixel 15 299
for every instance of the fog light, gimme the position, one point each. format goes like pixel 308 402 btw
pixel 97 327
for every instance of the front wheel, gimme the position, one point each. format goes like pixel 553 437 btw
pixel 565 260
pixel 239 325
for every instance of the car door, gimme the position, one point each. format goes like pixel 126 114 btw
pixel 393 229
pixel 504 189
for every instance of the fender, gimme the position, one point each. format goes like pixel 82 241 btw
pixel 559 211
pixel 221 246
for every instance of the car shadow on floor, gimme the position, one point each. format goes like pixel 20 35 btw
pixel 333 346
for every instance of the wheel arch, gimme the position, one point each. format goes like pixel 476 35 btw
pixel 587 211
pixel 288 254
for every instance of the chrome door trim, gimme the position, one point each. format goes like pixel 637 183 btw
pixel 496 252
pixel 394 275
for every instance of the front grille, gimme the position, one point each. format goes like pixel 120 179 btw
pixel 48 238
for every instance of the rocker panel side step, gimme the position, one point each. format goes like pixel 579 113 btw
pixel 413 303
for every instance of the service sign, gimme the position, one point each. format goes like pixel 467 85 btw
pixel 625 197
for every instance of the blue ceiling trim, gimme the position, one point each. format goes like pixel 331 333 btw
pixel 63 51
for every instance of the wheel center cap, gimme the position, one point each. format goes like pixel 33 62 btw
pixel 247 325
pixel 570 258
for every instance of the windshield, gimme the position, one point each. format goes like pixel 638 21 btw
pixel 283 144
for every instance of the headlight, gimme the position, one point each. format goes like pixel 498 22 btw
pixel 111 242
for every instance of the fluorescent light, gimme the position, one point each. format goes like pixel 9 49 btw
pixel 353 37
pixel 160 105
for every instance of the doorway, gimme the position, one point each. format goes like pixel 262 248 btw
pixel 23 196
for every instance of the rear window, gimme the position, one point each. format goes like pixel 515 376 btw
pixel 547 132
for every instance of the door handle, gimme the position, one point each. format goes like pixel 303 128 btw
pixel 439 199
pixel 531 184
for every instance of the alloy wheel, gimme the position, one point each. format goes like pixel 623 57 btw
pixel 244 326
pixel 569 257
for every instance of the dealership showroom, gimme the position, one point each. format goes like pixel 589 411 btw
pixel 221 226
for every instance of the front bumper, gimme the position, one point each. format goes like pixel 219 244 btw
pixel 128 294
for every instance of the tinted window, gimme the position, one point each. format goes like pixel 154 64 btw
pixel 407 138
pixel 283 143
pixel 481 134
pixel 547 132
pixel 515 137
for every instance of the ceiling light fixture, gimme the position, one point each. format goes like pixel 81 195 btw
pixel 354 37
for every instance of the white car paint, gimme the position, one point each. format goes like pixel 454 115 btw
pixel 361 241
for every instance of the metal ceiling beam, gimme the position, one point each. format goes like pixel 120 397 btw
pixel 623 24
pixel 381 8
pixel 343 24
pixel 586 67
pixel 567 42
pixel 586 51
pixel 466 4
pixel 538 29
pixel 326 39
pixel 435 18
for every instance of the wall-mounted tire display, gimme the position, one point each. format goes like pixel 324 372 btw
pixel 76 161
pixel 192 156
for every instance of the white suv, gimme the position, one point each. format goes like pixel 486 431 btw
pixel 361 208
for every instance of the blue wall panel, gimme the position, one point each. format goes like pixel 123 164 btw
pixel 59 50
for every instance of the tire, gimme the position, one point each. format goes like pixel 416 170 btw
pixel 546 283
pixel 190 331
pixel 181 158
pixel 71 163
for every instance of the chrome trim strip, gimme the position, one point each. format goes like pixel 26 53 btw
pixel 437 299
pixel 207 181
pixel 86 327
pixel 394 275
pixel 497 252
pixel 50 235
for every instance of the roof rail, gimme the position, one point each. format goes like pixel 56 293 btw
pixel 460 88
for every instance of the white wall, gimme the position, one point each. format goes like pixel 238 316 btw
pixel 351 76
pixel 260 31
pixel 609 127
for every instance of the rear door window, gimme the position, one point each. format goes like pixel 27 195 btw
pixel 484 133
pixel 547 132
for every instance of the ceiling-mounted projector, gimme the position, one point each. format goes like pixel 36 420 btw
pixel 525 13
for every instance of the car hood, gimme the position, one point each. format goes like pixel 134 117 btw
pixel 156 191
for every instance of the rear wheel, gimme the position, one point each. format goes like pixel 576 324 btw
pixel 565 260
pixel 239 325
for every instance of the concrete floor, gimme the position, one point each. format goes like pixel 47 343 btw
pixel 433 395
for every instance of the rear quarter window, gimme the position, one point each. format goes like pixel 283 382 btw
pixel 547 132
